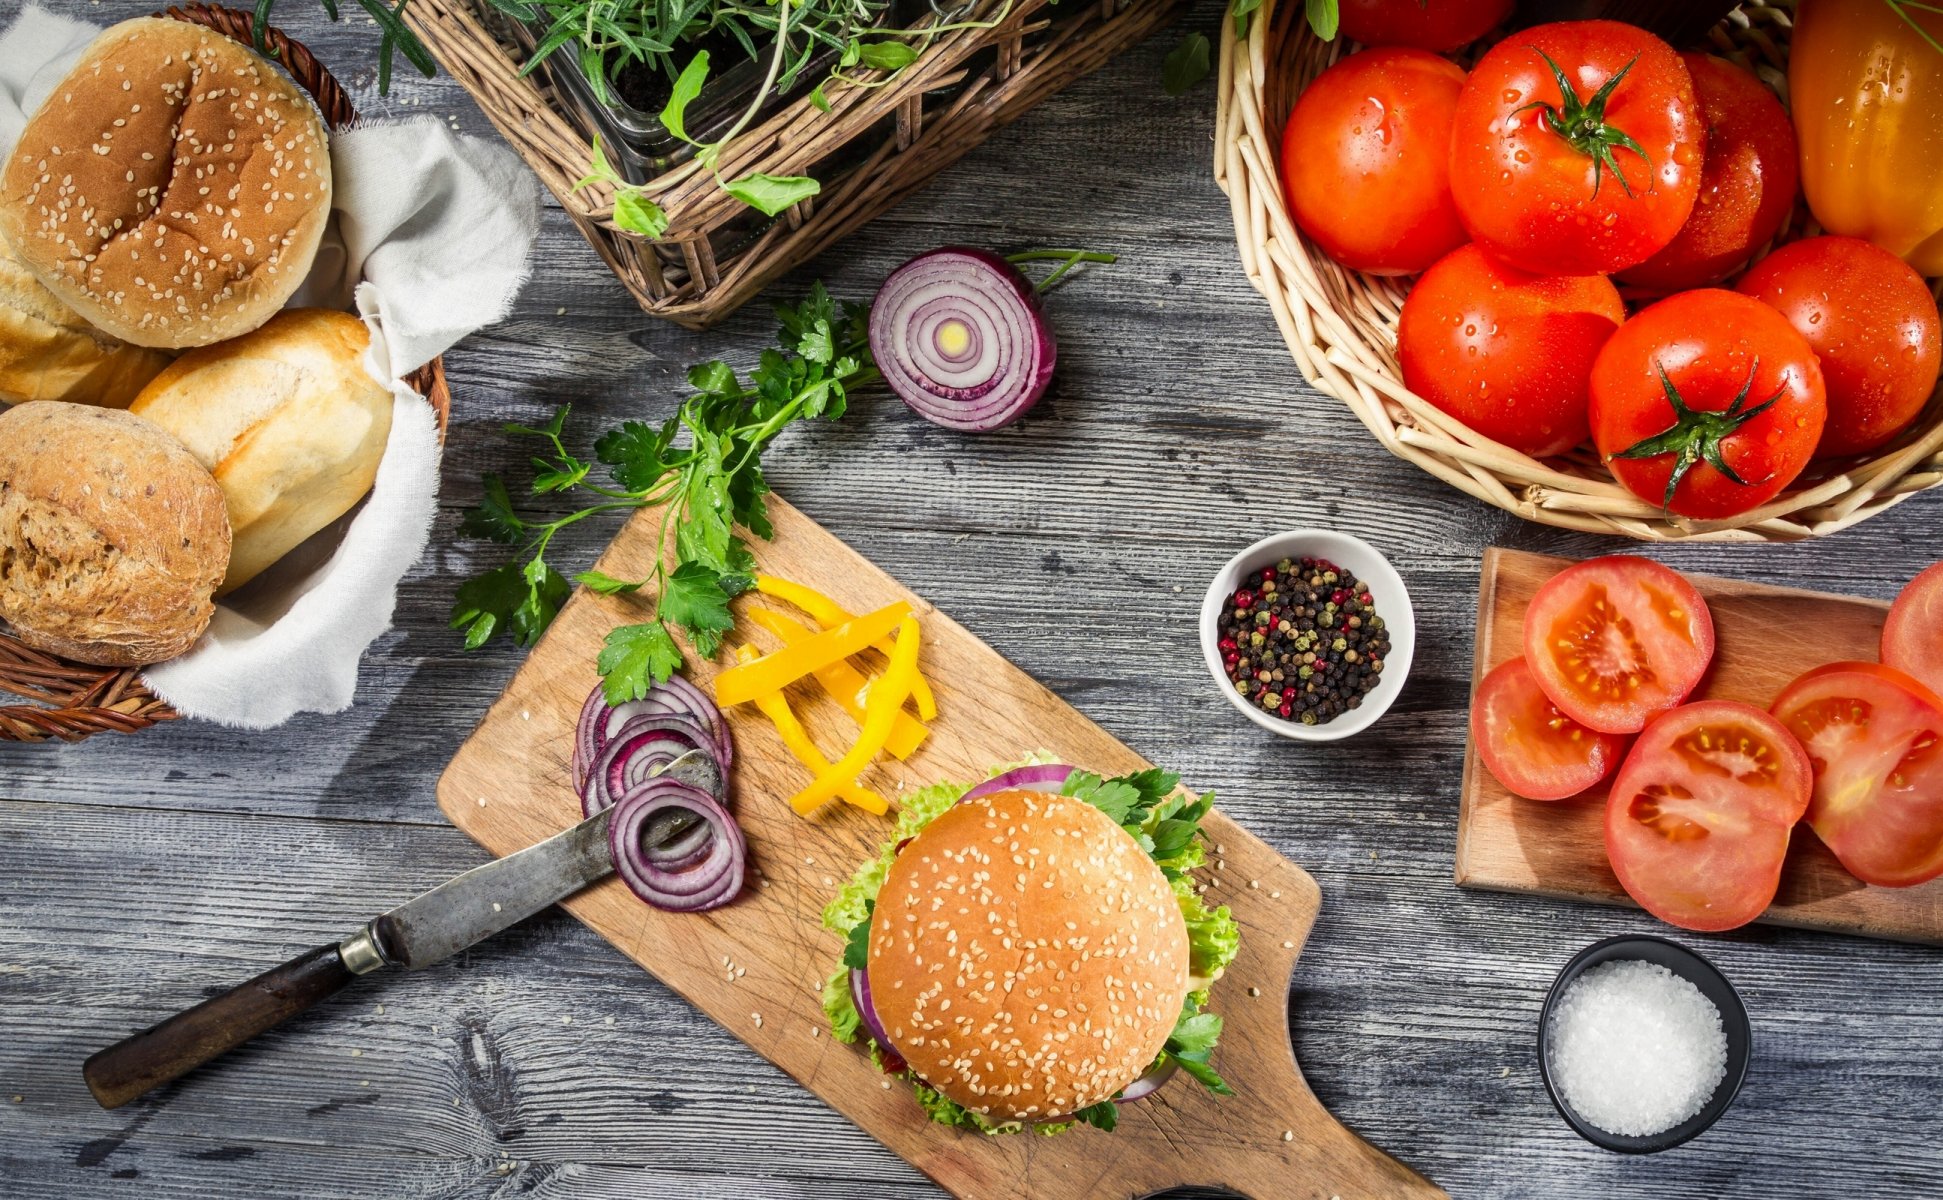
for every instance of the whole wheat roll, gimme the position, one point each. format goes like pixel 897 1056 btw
pixel 172 189
pixel 112 537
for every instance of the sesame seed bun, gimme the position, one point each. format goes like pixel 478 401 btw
pixel 172 189
pixel 1027 957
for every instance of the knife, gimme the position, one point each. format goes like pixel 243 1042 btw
pixel 427 929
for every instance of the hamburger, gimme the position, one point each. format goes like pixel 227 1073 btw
pixel 1032 951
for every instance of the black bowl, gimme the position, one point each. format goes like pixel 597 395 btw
pixel 1687 965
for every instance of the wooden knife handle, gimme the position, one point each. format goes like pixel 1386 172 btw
pixel 189 1039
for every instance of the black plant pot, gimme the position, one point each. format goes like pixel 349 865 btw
pixel 628 121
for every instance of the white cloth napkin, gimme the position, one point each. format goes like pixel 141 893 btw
pixel 429 237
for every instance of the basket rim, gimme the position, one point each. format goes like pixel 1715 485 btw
pixel 1306 292
pixel 78 700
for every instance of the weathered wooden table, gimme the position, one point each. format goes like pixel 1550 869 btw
pixel 139 874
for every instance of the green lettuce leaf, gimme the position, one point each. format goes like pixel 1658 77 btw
pixel 1213 938
pixel 838 1005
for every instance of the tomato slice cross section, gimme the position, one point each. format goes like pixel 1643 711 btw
pixel 1912 638
pixel 1531 747
pixel 1698 819
pixel 1875 737
pixel 1616 641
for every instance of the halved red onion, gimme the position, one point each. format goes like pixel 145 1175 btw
pixel 1147 1084
pixel 632 756
pixel 960 337
pixel 706 878
pixel 1035 778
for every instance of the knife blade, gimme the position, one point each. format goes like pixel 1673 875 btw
pixel 426 929
pixel 469 908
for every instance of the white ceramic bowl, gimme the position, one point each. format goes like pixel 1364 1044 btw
pixel 1387 593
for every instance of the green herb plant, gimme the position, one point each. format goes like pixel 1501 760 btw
pixel 706 489
pixel 394 36
pixel 612 34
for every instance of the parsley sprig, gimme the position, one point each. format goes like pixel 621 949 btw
pixel 707 488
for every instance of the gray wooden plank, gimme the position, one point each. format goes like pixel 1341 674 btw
pixel 1178 431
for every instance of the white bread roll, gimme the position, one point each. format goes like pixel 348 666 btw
pixel 112 537
pixel 173 187
pixel 288 421
pixel 47 352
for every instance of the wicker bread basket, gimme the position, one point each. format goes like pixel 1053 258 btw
pixel 873 149
pixel 73 700
pixel 1341 324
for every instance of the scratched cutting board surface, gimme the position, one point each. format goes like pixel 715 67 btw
pixel 1765 637
pixel 757 965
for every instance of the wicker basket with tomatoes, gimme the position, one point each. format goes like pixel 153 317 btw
pixel 1598 281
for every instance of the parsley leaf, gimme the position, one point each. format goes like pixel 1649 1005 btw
pixel 1192 1041
pixel 711 486
pixel 635 657
pixel 494 518
pixel 693 598
pixel 856 949
pixel 1104 1115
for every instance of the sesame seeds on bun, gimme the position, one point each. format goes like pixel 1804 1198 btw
pixel 172 189
pixel 1027 958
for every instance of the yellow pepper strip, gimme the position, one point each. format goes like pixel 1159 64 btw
pixel 887 695
pixel 775 706
pixel 845 684
pixel 827 612
pixel 774 672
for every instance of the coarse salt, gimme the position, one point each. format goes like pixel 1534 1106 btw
pixel 1636 1049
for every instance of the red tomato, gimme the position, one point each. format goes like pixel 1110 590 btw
pixel 1531 747
pixel 1616 641
pixel 1912 638
pixel 1748 181
pixel 1506 352
pixel 1365 160
pixel 1871 321
pixel 1707 404
pixel 1697 823
pixel 1585 164
pixel 1876 738
pixel 1425 24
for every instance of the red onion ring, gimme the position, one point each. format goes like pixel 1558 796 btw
pixel 1148 1084
pixel 599 722
pixel 1035 778
pixel 867 1010
pixel 706 880
pixel 960 337
pixel 633 754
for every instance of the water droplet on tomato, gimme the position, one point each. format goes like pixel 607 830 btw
pixel 1522 155
pixel 1513 95
pixel 1470 330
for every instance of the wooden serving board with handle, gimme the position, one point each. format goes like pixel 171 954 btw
pixel 757 965
pixel 1765 636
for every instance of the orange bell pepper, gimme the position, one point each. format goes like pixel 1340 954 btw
pixel 844 683
pixel 1865 82
pixel 827 612
pixel 887 695
pixel 775 706
pixel 774 672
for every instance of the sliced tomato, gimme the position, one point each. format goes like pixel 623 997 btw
pixel 1531 747
pixel 1875 737
pixel 1616 641
pixel 1697 822
pixel 1912 639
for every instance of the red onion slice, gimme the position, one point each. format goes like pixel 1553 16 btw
pixel 588 736
pixel 633 755
pixel 1147 1084
pixel 867 1010
pixel 706 880
pixel 959 336
pixel 1035 778
pixel 599 723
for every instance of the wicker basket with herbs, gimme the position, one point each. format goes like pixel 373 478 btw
pixel 1342 325
pixel 703 156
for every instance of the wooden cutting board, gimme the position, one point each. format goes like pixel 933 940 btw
pixel 757 966
pixel 1766 636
